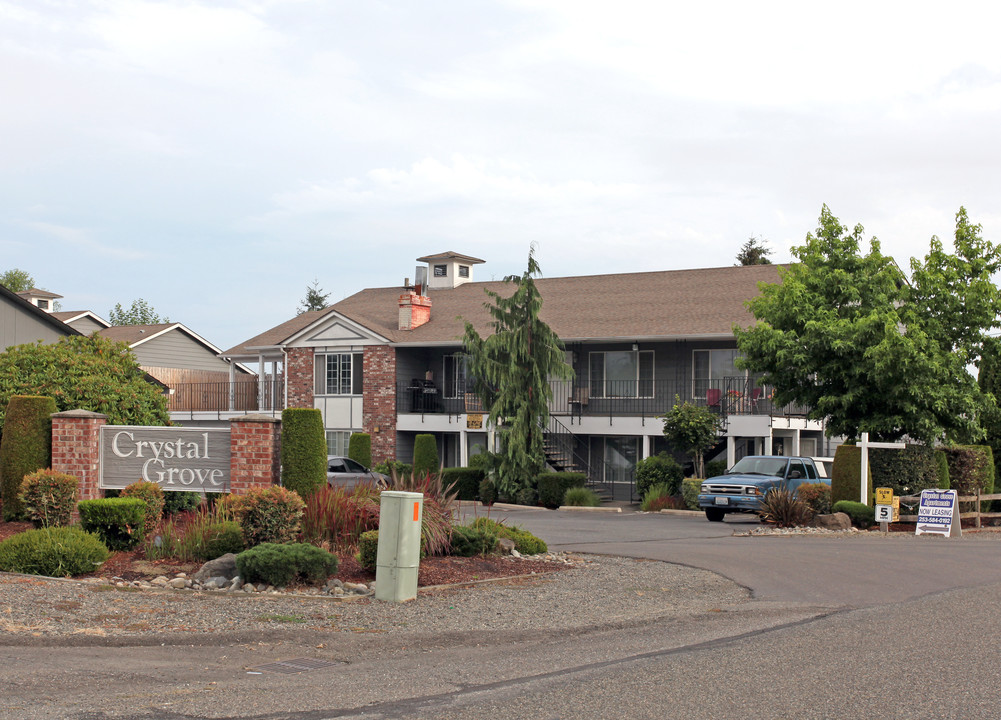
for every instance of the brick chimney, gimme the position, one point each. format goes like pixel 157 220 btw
pixel 415 310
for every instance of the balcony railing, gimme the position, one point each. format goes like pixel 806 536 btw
pixel 243 396
pixel 650 398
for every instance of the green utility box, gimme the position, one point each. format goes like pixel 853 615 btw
pixel 399 553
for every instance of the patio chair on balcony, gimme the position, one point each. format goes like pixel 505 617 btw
pixel 579 399
pixel 713 397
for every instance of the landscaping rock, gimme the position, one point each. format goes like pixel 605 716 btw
pixel 505 546
pixel 834 521
pixel 224 566
pixel 178 583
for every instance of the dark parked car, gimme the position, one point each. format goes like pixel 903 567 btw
pixel 343 471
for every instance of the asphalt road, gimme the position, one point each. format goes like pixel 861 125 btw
pixel 856 627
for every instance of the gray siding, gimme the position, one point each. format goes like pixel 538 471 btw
pixel 177 350
pixel 86 325
pixel 18 327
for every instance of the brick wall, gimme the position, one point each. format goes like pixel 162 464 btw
pixel 415 310
pixel 299 377
pixel 76 448
pixel 255 452
pixel 379 400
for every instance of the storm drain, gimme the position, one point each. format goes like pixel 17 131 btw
pixel 298 665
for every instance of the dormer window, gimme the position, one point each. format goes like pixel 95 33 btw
pixel 463 271
pixel 43 304
pixel 441 270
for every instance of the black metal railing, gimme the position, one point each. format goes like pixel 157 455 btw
pixel 249 395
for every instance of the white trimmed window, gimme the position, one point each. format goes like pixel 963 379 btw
pixel 454 376
pixel 337 442
pixel 338 374
pixel 622 374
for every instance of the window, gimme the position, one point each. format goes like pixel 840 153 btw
pixel 463 271
pixel 43 304
pixel 454 376
pixel 337 442
pixel 338 374
pixel 710 367
pixel 441 270
pixel 622 374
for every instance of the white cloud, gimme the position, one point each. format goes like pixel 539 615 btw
pixel 81 239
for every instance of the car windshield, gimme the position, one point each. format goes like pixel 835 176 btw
pixel 760 466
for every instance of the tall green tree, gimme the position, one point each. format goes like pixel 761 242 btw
pixel 692 429
pixel 87 373
pixel 17 280
pixel 314 300
pixel 754 252
pixel 511 370
pixel 140 313
pixel 848 335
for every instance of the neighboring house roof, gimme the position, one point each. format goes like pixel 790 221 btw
pixel 137 335
pixel 35 292
pixel 449 255
pixel 37 313
pixel 704 303
pixel 71 316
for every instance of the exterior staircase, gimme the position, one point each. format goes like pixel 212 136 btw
pixel 564 455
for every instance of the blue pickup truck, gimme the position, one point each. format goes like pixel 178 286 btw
pixel 746 483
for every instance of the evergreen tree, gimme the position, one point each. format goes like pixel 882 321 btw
pixel 314 300
pixel 511 370
pixel 754 252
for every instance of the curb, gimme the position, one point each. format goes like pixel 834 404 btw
pixel 582 508
pixel 681 512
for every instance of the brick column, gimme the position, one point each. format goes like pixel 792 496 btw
pixel 76 442
pixel 299 377
pixel 255 453
pixel 379 400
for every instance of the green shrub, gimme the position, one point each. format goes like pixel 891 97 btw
pixel 862 515
pixel 524 542
pixel 48 497
pixel 182 501
pixel 581 497
pixel 304 450
pixel 715 468
pixel 553 486
pixel 488 491
pixel 279 565
pixel 25 446
pixel 659 469
pixel 152 495
pixel 360 448
pixel 118 522
pixel 53 552
pixel 907 471
pixel 338 515
pixel 942 465
pixel 368 549
pixel 817 496
pixel 394 468
pixel 690 492
pixel 527 496
pixel 425 454
pixel 270 515
pixel 467 481
pixel 971 470
pixel 468 541
pixel 655 496
pixel 846 475
pixel 784 509
pixel 218 538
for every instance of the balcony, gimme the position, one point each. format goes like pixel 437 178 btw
pixel 225 399
pixel 650 398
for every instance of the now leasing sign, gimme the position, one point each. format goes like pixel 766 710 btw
pixel 191 459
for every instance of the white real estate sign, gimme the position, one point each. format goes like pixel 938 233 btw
pixel 938 514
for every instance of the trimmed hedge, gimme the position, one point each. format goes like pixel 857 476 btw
pixel 279 565
pixel 659 469
pixel 304 450
pixel 270 515
pixel 219 538
pixel 26 446
pixel 907 471
pixel 467 481
pixel 862 515
pixel 553 486
pixel 368 549
pixel 54 552
pixel 360 448
pixel 48 497
pixel 971 468
pixel 425 455
pixel 846 475
pixel 118 522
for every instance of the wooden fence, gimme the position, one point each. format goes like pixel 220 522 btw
pixel 974 500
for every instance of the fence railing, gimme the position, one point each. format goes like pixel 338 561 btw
pixel 249 395
pixel 973 500
pixel 646 398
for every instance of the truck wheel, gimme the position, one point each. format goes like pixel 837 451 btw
pixel 715 514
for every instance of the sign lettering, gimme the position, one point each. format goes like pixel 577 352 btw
pixel 195 459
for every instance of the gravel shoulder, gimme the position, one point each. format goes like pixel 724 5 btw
pixel 594 591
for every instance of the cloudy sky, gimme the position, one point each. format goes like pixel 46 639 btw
pixel 214 158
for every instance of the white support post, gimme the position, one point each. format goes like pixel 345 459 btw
pixel 865 445
pixel 646 447
pixel 731 451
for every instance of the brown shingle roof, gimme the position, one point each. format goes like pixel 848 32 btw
pixel 132 334
pixel 668 304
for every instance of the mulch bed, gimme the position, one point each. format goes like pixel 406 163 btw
pixel 132 565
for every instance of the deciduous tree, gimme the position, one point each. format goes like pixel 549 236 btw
pixel 140 313
pixel 868 349
pixel 17 280
pixel 511 370
pixel 692 429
